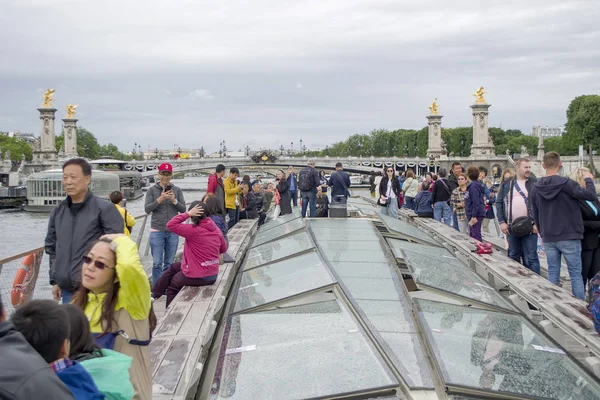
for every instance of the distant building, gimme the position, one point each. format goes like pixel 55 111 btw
pixel 28 137
pixel 547 132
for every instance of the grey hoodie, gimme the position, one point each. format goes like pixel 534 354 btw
pixel 162 213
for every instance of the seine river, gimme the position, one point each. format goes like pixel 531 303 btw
pixel 22 230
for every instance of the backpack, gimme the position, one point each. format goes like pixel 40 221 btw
pixel 305 179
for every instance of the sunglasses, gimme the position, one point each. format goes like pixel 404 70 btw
pixel 97 264
pixel 390 170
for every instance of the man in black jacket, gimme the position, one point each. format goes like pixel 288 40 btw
pixel 339 182
pixel 308 182
pixel 440 197
pixel 557 215
pixel 24 374
pixel 453 184
pixel 74 224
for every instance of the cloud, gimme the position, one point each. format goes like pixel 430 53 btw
pixel 370 64
pixel 202 94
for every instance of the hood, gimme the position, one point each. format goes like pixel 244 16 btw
pixel 550 186
pixel 5 328
pixel 477 185
pixel 80 382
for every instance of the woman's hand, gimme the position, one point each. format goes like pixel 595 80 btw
pixel 112 236
pixel 196 211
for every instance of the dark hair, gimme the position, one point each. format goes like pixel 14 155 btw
pixel 234 170
pixel 196 220
pixel 551 160
pixel 442 172
pixel 213 206
pixel 246 178
pixel 473 173
pixel 425 185
pixel 116 197
pixel 483 169
pixel 338 165
pixel 45 325
pixel 454 164
pixel 82 341
pixel 220 168
pixel 85 166
pixel 80 298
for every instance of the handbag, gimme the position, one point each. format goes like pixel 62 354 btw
pixel 521 226
pixel 129 228
pixel 107 340
pixel 387 200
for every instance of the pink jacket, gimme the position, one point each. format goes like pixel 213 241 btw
pixel 203 245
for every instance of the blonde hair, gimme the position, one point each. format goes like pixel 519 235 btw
pixel 507 171
pixel 577 175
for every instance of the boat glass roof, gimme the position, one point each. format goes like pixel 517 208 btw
pixel 277 232
pixel 278 249
pixel 272 223
pixel 500 352
pixel 405 229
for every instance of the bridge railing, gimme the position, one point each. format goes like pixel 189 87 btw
pixel 19 273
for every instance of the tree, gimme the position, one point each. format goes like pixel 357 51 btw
pixel 583 123
pixel 16 146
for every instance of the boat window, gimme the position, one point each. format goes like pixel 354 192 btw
pixel 277 232
pixel 405 229
pixel 437 268
pixel 310 351
pixel 500 352
pixel 278 249
pixel 280 220
pixel 282 279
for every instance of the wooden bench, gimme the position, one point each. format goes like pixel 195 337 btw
pixel 185 332
pixel 555 303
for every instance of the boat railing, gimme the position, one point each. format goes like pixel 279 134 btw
pixel 29 265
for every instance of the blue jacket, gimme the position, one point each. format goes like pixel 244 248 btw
pixel 220 222
pixel 474 206
pixel 555 207
pixel 80 383
pixel 423 202
pixel 339 182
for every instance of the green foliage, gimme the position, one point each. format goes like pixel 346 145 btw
pixel 88 147
pixel 16 146
pixel 458 140
pixel 583 124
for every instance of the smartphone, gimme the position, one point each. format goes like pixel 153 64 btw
pixel 168 188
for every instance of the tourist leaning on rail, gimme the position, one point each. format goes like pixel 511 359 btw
pixel 513 206
pixel 259 198
pixel 164 201
pixel 24 373
pixel 556 212
pixel 45 325
pixel 232 197
pixel 115 297
pixel 590 244
pixel 199 266
pixel 76 222
pixel 215 185
pixel 474 203
pixel 457 201
pixel 116 198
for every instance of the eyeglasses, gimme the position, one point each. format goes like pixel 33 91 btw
pixel 97 264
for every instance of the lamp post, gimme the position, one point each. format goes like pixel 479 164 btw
pixel 282 149
pixel 327 150
pixel 156 153
pixel 224 150
pixel 247 150
pixel 300 148
pixel 291 147
pixel 304 150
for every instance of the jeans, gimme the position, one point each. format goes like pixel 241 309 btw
pixel 163 246
pixel 234 217
pixel 524 250
pixel 392 209
pixel 571 250
pixel 340 199
pixel 309 197
pixel 455 222
pixel 173 280
pixel 441 209
pixel 475 230
pixel 409 202
pixel 463 226
pixel 67 296
pixel 294 197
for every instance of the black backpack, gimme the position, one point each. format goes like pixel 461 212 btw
pixel 305 179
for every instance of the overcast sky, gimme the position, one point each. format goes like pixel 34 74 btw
pixel 265 73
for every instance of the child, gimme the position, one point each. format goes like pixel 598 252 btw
pixel 45 325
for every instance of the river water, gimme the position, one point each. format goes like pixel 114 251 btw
pixel 21 231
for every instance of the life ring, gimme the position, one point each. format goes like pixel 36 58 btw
pixel 24 273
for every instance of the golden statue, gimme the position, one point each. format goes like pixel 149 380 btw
pixel 433 108
pixel 48 100
pixel 479 95
pixel 71 111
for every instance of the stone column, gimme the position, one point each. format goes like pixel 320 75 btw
pixel 434 147
pixel 541 153
pixel 47 149
pixel 70 132
pixel 482 142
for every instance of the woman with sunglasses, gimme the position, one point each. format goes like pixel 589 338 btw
pixel 389 193
pixel 115 296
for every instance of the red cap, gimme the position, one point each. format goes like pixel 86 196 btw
pixel 165 167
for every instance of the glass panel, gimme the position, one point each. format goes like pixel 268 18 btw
pixel 439 269
pixel 278 249
pixel 341 223
pixel 405 229
pixel 397 245
pixel 495 351
pixel 354 235
pixel 272 223
pixel 307 351
pixel 278 231
pixel 282 279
